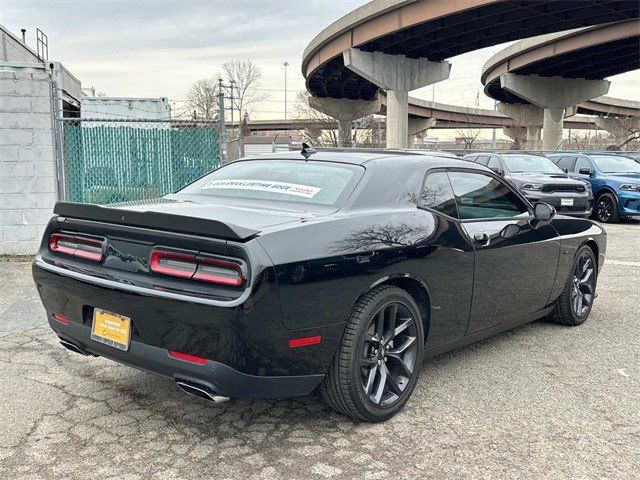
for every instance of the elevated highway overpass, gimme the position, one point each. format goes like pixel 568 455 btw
pixel 537 79
pixel 401 45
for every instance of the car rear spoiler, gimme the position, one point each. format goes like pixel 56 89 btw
pixel 154 220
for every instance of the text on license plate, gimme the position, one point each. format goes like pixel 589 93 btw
pixel 111 329
pixel 566 202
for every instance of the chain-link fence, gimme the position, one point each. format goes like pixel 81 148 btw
pixel 107 161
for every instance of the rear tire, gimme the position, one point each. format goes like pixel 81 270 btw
pixel 574 304
pixel 606 209
pixel 376 366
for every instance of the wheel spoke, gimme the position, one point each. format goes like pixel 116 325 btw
pixel 403 347
pixel 382 382
pixel 371 376
pixel 379 320
pixel 393 384
pixel 404 324
pixel 586 275
pixel 391 313
pixel 407 370
pixel 579 306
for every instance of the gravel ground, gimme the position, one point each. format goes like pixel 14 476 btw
pixel 538 401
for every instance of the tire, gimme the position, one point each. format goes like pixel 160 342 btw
pixel 565 311
pixel 352 384
pixel 606 209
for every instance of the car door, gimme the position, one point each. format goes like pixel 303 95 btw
pixel 516 256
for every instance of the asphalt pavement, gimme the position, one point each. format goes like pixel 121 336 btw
pixel 539 401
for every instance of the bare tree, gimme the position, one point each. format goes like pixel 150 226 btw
pixel 203 97
pixel 468 131
pixel 247 79
pixel 321 130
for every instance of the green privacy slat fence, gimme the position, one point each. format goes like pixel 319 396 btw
pixel 108 161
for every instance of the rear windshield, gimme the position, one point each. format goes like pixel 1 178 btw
pixel 319 183
pixel 529 164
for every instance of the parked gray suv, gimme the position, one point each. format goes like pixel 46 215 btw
pixel 540 180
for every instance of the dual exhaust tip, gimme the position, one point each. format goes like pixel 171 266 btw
pixel 192 388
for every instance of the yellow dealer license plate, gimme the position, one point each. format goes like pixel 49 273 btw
pixel 111 329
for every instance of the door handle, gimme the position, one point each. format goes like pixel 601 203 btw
pixel 481 238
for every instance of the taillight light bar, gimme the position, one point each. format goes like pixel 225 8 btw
pixel 76 246
pixel 197 267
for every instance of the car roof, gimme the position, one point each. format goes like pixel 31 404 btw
pixel 364 156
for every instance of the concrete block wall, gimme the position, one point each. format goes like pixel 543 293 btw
pixel 27 160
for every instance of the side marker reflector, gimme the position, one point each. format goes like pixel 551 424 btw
pixel 304 341
pixel 187 358
pixel 62 319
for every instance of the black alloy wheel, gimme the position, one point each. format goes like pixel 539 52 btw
pixel 584 284
pixel 389 354
pixel 606 210
pixel 574 304
pixel 376 366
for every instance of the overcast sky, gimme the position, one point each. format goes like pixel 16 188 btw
pixel 152 48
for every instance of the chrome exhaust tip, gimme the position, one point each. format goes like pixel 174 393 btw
pixel 73 347
pixel 202 391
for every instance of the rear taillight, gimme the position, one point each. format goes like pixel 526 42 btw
pixel 76 246
pixel 197 267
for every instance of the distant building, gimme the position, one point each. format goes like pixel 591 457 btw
pixel 125 108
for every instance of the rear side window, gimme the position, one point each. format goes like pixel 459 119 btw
pixel 482 160
pixel 280 180
pixel 481 196
pixel 437 194
pixel 566 162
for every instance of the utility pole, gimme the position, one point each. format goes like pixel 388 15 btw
pixel 222 127
pixel 285 64
pixel 231 83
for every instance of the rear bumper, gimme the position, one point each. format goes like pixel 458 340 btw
pixel 220 378
pixel 246 346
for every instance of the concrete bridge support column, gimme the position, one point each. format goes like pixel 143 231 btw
pixel 528 116
pixel 554 94
pixel 517 134
pixel 345 112
pixel 397 75
pixel 418 126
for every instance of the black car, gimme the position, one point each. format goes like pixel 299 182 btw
pixel 540 180
pixel 275 276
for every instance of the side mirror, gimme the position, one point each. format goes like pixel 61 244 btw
pixel 543 212
pixel 586 171
pixel 497 170
pixel 565 170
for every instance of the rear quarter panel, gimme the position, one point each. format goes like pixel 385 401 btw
pixel 322 268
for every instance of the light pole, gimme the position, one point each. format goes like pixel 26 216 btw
pixel 285 65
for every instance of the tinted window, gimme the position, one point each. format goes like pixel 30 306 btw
pixel 616 164
pixel 482 196
pixel 438 195
pixel 529 164
pixel 280 180
pixel 582 162
pixel 566 162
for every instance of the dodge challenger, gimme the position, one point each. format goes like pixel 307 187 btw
pixel 328 271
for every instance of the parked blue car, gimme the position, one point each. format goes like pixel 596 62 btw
pixel 614 179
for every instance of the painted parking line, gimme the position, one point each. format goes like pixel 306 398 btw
pixel 622 262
